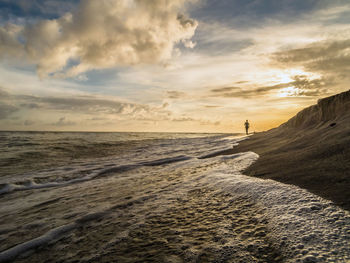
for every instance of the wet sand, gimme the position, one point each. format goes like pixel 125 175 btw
pixel 193 211
pixel 172 217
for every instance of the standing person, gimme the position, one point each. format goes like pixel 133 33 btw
pixel 246 125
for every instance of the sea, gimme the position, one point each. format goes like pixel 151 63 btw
pixel 155 197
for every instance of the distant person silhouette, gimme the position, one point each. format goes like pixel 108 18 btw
pixel 246 125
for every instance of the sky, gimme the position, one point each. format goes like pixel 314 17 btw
pixel 168 65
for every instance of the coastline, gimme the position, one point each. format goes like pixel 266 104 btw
pixel 183 209
pixel 311 150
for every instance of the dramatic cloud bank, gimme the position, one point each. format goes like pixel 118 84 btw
pixel 28 111
pixel 101 34
pixel 300 86
pixel 327 57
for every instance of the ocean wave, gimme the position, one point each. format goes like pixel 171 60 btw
pixel 95 172
pixel 188 210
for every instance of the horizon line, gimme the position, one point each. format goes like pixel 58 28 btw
pixel 122 132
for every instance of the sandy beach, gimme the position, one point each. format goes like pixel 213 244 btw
pixel 192 205
pixel 135 131
pixel 197 210
pixel 312 150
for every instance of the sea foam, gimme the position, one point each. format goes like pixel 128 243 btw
pixel 194 205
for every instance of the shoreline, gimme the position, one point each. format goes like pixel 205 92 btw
pixel 202 210
pixel 318 166
pixel 311 150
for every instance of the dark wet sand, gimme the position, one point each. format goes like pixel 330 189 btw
pixel 198 228
pixel 173 217
pixel 188 212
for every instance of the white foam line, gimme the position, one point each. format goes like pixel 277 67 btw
pixel 307 227
pixel 11 187
pixel 32 185
pixel 15 251
pixel 208 155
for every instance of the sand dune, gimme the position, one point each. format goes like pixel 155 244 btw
pixel 311 150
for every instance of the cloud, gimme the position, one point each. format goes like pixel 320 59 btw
pixel 28 123
pixel 225 89
pixel 183 118
pixel 84 104
pixel 188 43
pixel 30 105
pixel 87 104
pixel 6 110
pixel 94 112
pixel 97 119
pixel 237 92
pixel 93 108
pixel 211 106
pixel 9 44
pixel 63 122
pixel 173 94
pixel 205 122
pixel 217 39
pixel 6 107
pixel 301 86
pixel 101 34
pixel 330 57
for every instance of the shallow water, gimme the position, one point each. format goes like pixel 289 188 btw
pixel 25 153
pixel 161 202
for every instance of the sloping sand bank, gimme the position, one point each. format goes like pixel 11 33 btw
pixel 311 150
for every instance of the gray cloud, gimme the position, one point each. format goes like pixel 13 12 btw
pixel 97 119
pixel 9 44
pixel 30 105
pixel 85 104
pixel 100 109
pixel 237 92
pixel 63 122
pixel 214 40
pixel 211 106
pixel 28 123
pixel 85 110
pixel 100 34
pixel 79 104
pixel 6 110
pixel 303 87
pixel 328 57
pixel 225 89
pixel 172 94
pixel 3 93
pixel 205 122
